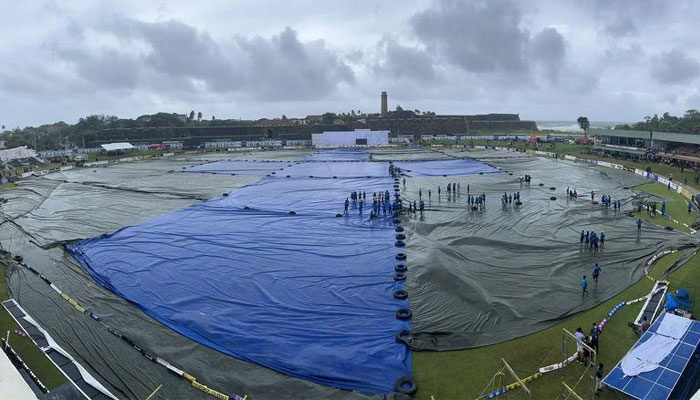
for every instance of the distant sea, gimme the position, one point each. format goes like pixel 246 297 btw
pixel 572 126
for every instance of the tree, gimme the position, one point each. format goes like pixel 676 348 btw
pixel 399 108
pixel 213 118
pixel 199 116
pixel 328 118
pixel 583 124
pixel 654 121
pixel 688 123
pixel 284 117
pixel 691 114
pixel 191 115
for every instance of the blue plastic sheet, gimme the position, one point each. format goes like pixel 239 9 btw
pixel 338 169
pixel 309 295
pixel 339 155
pixel 232 167
pixel 444 167
pixel 310 196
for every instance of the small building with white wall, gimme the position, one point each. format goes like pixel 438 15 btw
pixel 121 146
pixel 358 137
pixel 17 153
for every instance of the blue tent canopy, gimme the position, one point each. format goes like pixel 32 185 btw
pixel 659 383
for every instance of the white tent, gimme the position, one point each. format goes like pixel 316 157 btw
pixel 17 152
pixel 117 146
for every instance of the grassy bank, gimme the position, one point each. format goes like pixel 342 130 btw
pixel 676 206
pixel 464 374
pixel 42 367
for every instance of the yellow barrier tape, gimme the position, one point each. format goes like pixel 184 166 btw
pixel 207 390
pixel 77 306
pixel 73 303
pixel 530 378
pixel 188 377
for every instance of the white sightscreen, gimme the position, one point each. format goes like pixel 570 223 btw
pixel 317 140
pixel 350 138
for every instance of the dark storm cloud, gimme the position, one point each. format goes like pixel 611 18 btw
pixel 181 50
pixel 479 36
pixel 488 37
pixel 549 49
pixel 544 59
pixel 397 61
pixel 628 12
pixel 621 27
pixel 152 53
pixel 104 68
pixel 283 68
pixel 622 54
pixel 674 67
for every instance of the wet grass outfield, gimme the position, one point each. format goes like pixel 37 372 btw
pixel 42 367
pixel 465 374
pixel 676 207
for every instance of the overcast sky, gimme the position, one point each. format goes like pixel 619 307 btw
pixel 547 60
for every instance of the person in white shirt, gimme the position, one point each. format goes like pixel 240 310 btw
pixel 580 338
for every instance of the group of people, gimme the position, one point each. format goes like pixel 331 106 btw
pixel 652 207
pixel 526 178
pixel 592 241
pixel 510 198
pixel 414 207
pixel 607 201
pixel 451 188
pixel 584 352
pixel 584 281
pixel 395 171
pixel 571 193
pixel 381 203
pixel 477 201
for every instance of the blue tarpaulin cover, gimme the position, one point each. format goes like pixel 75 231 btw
pixel 234 167
pixel 316 196
pixel 309 294
pixel 339 155
pixel 338 169
pixel 444 167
